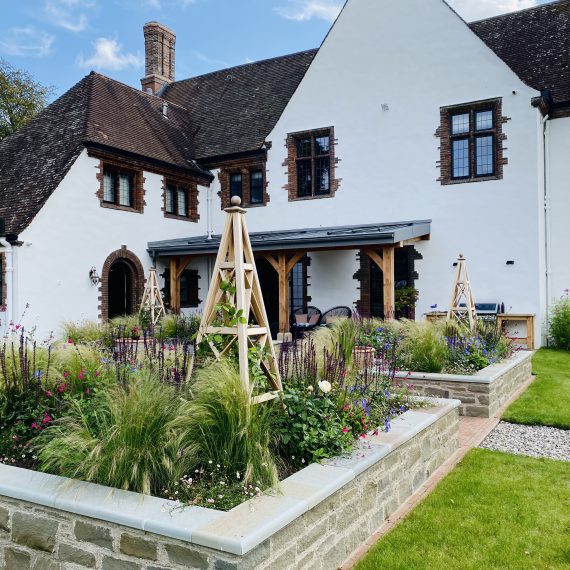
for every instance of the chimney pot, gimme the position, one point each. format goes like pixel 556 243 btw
pixel 159 43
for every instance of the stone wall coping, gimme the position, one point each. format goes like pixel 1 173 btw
pixel 237 531
pixel 487 375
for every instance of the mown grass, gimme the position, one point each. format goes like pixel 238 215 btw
pixel 493 511
pixel 547 400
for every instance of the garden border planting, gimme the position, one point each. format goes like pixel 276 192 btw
pixel 482 394
pixel 322 513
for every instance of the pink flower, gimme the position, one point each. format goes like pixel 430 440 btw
pixel 66 374
pixel 344 430
pixel 48 394
pixel 69 341
pixel 88 391
pixel 97 374
pixel 47 419
pixel 34 425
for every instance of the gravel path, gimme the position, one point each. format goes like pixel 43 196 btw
pixel 535 441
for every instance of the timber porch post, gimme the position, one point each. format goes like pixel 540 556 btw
pixel 386 264
pixel 284 266
pixel 177 267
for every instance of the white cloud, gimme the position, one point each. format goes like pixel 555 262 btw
pixel 109 55
pixel 68 14
pixel 153 4
pixel 471 10
pixel 26 42
pixel 303 10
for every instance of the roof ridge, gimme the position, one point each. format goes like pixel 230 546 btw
pixel 530 9
pixel 249 64
pixel 139 91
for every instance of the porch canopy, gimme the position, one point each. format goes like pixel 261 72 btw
pixel 283 249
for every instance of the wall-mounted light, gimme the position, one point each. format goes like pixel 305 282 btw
pixel 94 276
pixel 511 262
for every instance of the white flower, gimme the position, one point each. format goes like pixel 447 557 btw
pixel 325 386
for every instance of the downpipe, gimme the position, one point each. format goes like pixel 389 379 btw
pixel 547 221
pixel 9 271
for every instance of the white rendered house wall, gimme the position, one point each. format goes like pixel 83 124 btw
pixel 73 233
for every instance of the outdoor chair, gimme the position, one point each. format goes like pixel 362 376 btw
pixel 305 320
pixel 335 313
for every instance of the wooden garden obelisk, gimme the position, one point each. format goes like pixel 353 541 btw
pixel 462 306
pixel 152 299
pixel 235 284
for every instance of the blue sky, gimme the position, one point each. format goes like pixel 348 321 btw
pixel 60 41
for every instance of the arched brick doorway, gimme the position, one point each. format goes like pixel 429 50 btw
pixel 122 284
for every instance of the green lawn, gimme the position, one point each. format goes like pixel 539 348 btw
pixel 493 511
pixel 547 400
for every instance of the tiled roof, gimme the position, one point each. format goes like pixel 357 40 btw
pixel 96 111
pixel 535 44
pixel 234 110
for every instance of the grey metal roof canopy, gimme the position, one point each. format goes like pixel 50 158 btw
pixel 340 237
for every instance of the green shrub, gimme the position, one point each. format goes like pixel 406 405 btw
pixel 219 424
pixel 423 347
pixel 86 332
pixel 181 327
pixel 310 426
pixel 559 331
pixel 123 438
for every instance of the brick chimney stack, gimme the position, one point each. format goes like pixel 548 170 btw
pixel 159 44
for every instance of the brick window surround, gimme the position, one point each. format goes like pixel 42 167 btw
pixel 444 132
pixel 137 281
pixel 245 167
pixel 120 166
pixel 191 189
pixel 290 163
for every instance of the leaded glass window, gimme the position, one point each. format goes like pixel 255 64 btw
pixel 236 185
pixel 118 186
pixel 256 187
pixel 460 158
pixel 170 190
pixel 473 144
pixel 313 164
pixel 126 190
pixel 484 156
pixel 109 187
pixel 176 200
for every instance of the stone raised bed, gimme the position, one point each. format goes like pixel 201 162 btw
pixel 321 515
pixel 482 394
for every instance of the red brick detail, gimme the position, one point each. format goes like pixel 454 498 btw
pixel 192 187
pixel 443 133
pixel 244 166
pixel 291 164
pixel 137 282
pixel 362 275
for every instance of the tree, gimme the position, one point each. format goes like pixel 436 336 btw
pixel 21 98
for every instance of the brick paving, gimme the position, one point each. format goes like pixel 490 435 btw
pixel 472 431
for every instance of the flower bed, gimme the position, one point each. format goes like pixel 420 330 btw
pixel 129 415
pixel 482 394
pixel 321 514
